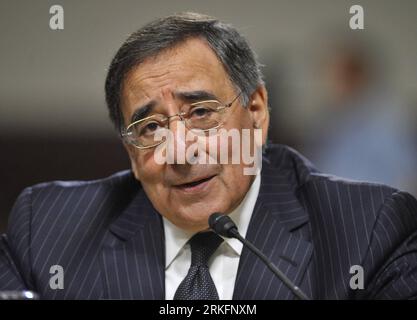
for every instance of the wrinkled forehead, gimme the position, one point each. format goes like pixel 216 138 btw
pixel 189 66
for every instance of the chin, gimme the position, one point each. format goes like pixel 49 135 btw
pixel 195 219
pixel 199 220
pixel 194 216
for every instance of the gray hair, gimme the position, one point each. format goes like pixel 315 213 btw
pixel 231 48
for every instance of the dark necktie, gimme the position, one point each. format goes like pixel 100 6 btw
pixel 198 284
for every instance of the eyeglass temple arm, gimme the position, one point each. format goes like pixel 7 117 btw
pixel 233 101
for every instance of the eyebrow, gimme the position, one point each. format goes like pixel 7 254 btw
pixel 187 96
pixel 193 96
pixel 143 111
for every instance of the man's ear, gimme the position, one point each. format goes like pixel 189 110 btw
pixel 131 151
pixel 259 112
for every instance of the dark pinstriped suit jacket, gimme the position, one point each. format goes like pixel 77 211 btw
pixel 314 227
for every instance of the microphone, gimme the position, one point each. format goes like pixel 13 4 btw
pixel 224 226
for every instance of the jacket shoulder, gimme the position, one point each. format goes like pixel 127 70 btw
pixel 118 178
pixel 353 204
pixel 51 216
pixel 331 201
pixel 325 190
pixel 66 202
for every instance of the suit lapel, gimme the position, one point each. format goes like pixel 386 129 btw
pixel 277 214
pixel 133 256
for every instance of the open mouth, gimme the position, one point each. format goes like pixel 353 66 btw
pixel 195 185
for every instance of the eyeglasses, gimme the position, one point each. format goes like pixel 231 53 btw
pixel 200 117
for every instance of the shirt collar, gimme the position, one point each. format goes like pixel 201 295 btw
pixel 176 238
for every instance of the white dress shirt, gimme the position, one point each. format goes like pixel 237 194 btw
pixel 225 260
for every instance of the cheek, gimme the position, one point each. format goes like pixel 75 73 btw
pixel 235 181
pixel 148 171
pixel 228 139
pixel 241 118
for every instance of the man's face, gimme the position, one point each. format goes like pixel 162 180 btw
pixel 183 193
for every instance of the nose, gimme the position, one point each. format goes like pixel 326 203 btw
pixel 177 144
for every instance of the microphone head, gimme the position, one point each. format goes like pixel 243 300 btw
pixel 223 225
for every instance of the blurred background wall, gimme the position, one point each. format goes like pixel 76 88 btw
pixel 358 87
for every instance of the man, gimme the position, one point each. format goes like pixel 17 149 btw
pixel 142 234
